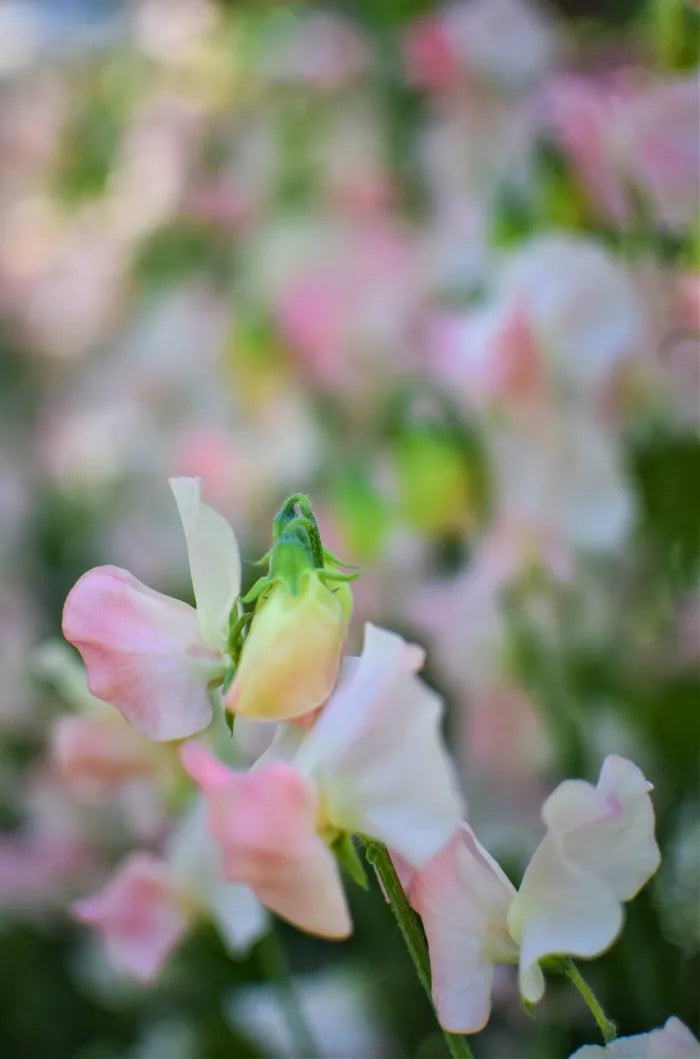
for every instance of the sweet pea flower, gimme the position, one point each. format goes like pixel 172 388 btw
pixel 462 897
pixel 151 656
pixel 372 762
pixel 598 851
pixel 96 754
pixel 672 1041
pixel 150 902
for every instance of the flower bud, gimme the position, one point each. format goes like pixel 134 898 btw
pixel 291 656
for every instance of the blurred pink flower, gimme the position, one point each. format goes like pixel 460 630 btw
pixel 150 902
pixel 151 656
pixel 140 915
pixel 630 135
pixel 96 754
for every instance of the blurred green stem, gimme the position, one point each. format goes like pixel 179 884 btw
pixel 378 856
pixel 275 967
pixel 607 1028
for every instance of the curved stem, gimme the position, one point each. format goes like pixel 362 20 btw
pixel 378 856
pixel 606 1027
pixel 275 967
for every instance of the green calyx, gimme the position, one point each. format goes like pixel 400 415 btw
pixel 297 551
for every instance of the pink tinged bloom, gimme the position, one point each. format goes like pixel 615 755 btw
pixel 143 652
pixel 140 914
pixel 265 823
pixel 96 754
pixel 152 656
pixel 462 897
pixel 598 851
pixel 195 862
pixel 377 755
pixel 672 1041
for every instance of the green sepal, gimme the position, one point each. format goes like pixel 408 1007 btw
pixel 349 859
pixel 228 679
pixel 230 719
pixel 330 557
pixel 335 575
pixel 256 590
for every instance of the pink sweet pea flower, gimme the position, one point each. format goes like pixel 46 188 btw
pixel 140 915
pixel 372 762
pixel 598 851
pixel 462 897
pixel 151 656
pixel 265 822
pixel 96 754
pixel 148 905
pixel 672 1041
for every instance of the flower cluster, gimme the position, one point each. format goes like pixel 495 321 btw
pixel 356 750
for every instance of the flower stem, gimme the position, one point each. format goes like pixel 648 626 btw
pixel 606 1027
pixel 275 967
pixel 378 856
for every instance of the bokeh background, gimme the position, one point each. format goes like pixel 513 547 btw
pixel 436 266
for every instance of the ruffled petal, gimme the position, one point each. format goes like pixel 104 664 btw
pixel 560 908
pixel 377 754
pixel 139 914
pixel 607 829
pixel 462 897
pixel 215 563
pixel 265 824
pixel 142 651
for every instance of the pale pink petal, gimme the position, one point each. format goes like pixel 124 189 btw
pixel 607 829
pixel 96 754
pixel 142 651
pixel 265 824
pixel 673 1041
pixel 377 754
pixel 215 563
pixel 195 861
pixel 560 908
pixel 139 914
pixel 462 897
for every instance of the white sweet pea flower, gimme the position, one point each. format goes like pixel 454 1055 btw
pixel 376 753
pixel 672 1041
pixel 599 850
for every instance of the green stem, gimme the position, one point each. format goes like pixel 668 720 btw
pixel 275 968
pixel 378 856
pixel 606 1027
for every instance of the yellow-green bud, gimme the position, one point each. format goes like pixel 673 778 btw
pixel 291 656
